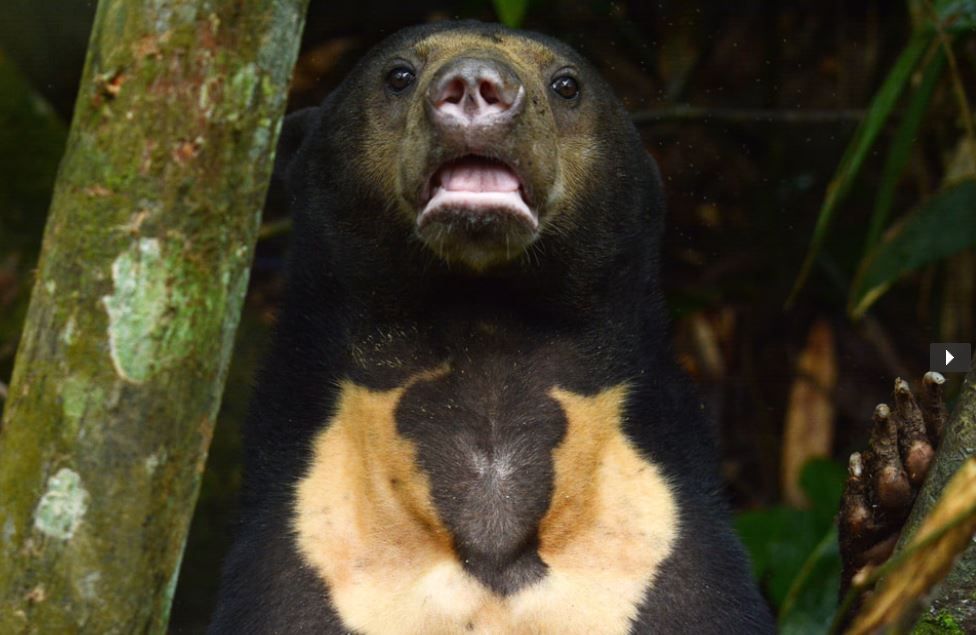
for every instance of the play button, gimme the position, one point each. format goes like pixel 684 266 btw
pixel 949 357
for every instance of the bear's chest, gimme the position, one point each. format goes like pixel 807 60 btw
pixel 467 501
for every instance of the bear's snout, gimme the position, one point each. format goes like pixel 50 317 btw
pixel 471 92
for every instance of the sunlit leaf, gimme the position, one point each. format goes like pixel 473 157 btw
pixel 901 146
pixel 511 12
pixel 864 138
pixel 941 227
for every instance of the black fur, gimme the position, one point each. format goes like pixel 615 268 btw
pixel 582 311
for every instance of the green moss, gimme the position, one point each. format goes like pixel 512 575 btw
pixel 261 141
pixel 75 393
pixel 941 623
pixel 242 88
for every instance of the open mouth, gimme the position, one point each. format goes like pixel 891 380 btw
pixel 477 192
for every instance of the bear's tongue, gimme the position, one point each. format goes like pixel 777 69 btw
pixel 474 193
pixel 475 174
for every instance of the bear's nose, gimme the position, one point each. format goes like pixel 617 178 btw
pixel 475 92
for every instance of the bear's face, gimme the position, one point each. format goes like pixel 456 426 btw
pixel 485 132
pixel 478 140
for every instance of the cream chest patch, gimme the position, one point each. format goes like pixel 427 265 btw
pixel 365 522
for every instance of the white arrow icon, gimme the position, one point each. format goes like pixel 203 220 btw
pixel 949 357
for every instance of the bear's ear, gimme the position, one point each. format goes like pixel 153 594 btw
pixel 293 132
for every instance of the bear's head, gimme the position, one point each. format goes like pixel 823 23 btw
pixel 468 149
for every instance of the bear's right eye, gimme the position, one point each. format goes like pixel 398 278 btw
pixel 400 78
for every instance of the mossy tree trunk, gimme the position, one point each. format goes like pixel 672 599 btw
pixel 138 292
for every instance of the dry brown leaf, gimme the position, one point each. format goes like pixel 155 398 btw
pixel 809 429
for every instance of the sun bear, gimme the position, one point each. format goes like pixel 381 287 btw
pixel 470 420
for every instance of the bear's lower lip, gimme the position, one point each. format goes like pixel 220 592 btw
pixel 478 208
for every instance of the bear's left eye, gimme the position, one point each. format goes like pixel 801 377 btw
pixel 400 78
pixel 566 87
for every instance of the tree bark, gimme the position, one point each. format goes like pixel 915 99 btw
pixel 953 603
pixel 138 293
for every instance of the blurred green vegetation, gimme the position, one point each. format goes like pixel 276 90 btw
pixel 922 238
pixel 511 12
pixel 750 110
pixel 794 551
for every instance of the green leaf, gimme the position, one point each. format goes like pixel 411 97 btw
pixel 511 12
pixel 901 147
pixel 779 540
pixel 32 140
pixel 956 15
pixel 864 138
pixel 944 225
pixel 794 551
pixel 948 16
pixel 822 480
pixel 811 602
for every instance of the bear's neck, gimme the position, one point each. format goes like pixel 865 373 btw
pixel 602 337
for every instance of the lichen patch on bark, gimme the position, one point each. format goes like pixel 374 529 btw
pixel 68 334
pixel 88 585
pixel 63 505
pixel 150 287
pixel 154 460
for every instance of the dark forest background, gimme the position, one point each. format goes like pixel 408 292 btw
pixel 758 112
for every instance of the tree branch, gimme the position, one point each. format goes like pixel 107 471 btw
pixel 744 116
